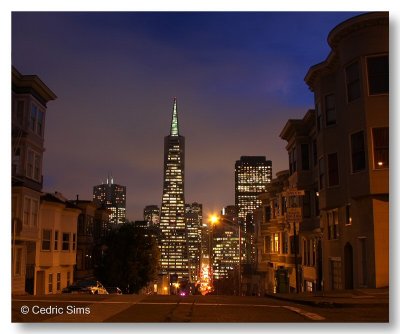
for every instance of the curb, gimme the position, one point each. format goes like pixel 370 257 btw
pixel 326 303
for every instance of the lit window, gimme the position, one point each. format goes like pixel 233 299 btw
pixel 381 147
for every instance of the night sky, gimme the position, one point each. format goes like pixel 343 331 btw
pixel 238 78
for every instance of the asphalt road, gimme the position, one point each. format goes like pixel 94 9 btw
pixel 193 309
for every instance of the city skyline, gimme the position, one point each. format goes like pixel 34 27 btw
pixel 236 86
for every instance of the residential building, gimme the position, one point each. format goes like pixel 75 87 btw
pixel 351 89
pixel 29 106
pixel 56 251
pixel 86 240
pixel 173 245
pixel 113 197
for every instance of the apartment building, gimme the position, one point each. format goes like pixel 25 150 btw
pixel 351 89
pixel 29 106
pixel 56 252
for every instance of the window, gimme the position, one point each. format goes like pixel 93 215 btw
pixel 357 152
pixel 267 213
pixel 31 212
pixel 305 157
pixel 32 120
pixel 285 243
pixel 34 212
pixel 39 127
pixel 321 169
pixel 330 110
pixel 50 283
pixel 353 82
pixel 36 120
pixel 33 165
pixel 73 241
pixel 333 170
pixel 65 242
pixel 378 75
pixel 267 244
pixel 348 215
pixel 276 244
pixel 56 240
pixel 381 147
pixel 68 278
pixel 318 116
pixel 333 224
pixel 58 281
pixel 46 240
pixel 292 161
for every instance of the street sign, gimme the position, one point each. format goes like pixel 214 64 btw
pixel 293 192
pixel 293 214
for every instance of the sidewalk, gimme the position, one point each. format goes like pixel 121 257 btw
pixel 343 298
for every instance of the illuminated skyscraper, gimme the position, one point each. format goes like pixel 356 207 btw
pixel 173 247
pixel 252 174
pixel 111 196
pixel 194 219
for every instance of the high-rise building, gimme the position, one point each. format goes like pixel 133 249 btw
pixel 194 221
pixel 151 214
pixel 113 197
pixel 173 247
pixel 252 174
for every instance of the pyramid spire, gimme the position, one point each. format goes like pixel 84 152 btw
pixel 174 123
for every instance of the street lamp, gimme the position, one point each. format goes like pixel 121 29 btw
pixel 215 219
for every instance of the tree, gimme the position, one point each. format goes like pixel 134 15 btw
pixel 129 258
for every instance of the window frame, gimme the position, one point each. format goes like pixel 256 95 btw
pixel 333 172
pixel 331 111
pixel 381 148
pixel 368 74
pixel 43 240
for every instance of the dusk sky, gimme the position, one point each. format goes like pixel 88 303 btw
pixel 238 78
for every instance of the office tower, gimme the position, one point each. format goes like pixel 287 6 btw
pixel 252 174
pixel 194 220
pixel 173 247
pixel 151 214
pixel 113 197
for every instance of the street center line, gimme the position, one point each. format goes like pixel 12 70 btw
pixel 310 315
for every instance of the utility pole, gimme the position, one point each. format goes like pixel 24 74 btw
pixel 294 214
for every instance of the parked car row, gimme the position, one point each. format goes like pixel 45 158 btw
pixel 91 287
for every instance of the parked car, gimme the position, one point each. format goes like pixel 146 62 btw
pixel 91 287
pixel 114 290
